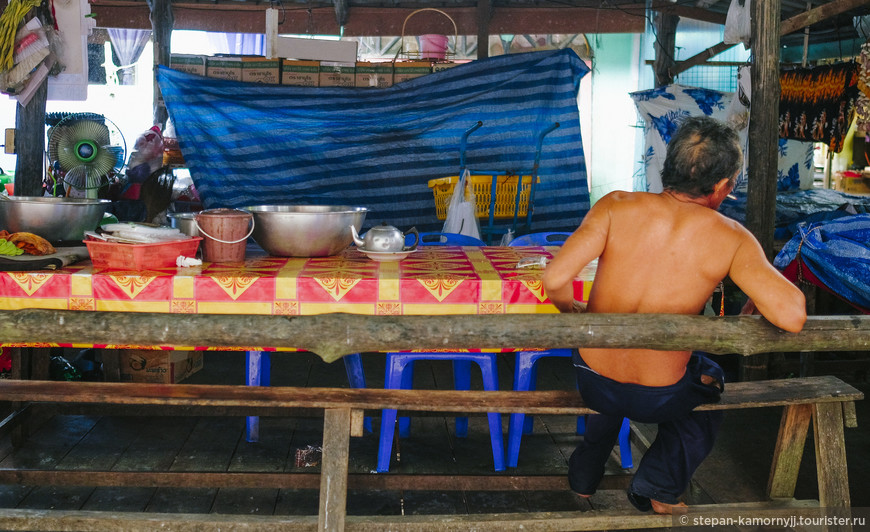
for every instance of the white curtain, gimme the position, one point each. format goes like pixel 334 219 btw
pixel 128 45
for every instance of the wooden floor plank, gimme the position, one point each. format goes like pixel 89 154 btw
pixel 245 501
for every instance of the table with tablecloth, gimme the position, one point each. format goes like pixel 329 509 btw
pixel 433 280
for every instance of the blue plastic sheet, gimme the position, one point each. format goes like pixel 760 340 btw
pixel 837 252
pixel 249 144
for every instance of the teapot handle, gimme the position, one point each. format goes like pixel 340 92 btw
pixel 413 246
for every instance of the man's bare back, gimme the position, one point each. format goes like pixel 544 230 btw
pixel 664 253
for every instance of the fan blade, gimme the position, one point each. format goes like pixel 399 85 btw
pixel 88 129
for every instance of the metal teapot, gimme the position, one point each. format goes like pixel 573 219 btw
pixel 385 239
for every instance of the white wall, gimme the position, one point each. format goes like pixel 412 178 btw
pixel 609 141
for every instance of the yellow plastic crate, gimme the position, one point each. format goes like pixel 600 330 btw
pixel 481 185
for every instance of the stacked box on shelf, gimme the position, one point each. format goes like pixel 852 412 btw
pixel 261 70
pixel 166 367
pixel 300 73
pixel 369 74
pixel 190 63
pixel 224 67
pixel 334 74
pixel 405 70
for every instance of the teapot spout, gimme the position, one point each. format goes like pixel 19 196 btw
pixel 356 239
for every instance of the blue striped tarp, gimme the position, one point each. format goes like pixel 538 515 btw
pixel 253 144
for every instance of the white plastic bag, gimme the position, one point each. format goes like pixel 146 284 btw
pixel 460 217
pixel 738 25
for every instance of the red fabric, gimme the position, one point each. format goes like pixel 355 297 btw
pixel 797 271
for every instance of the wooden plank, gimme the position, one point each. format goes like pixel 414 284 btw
pixel 298 480
pixel 85 521
pixel 739 395
pixel 746 335
pixel 822 12
pixel 833 476
pixel 333 483
pixel 789 451
pixel 850 417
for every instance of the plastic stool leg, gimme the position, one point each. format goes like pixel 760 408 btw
pixel 257 373
pixel 357 379
pixel 625 444
pixel 523 376
pixel 581 425
pixel 490 383
pixel 461 381
pixel 406 383
pixel 393 379
pixel 529 422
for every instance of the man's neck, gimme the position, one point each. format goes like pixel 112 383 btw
pixel 704 201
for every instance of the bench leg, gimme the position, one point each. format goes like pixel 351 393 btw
pixel 831 457
pixel 333 471
pixel 793 428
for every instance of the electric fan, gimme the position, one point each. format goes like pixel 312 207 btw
pixel 84 151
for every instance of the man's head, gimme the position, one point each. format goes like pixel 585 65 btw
pixel 702 152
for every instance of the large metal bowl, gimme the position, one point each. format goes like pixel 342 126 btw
pixel 305 230
pixel 54 219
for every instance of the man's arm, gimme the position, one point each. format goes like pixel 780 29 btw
pixel 775 297
pixel 582 247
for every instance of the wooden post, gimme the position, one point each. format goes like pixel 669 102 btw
pixel 484 13
pixel 665 47
pixel 30 143
pixel 763 139
pixel 162 21
pixel 333 469
pixel 833 476
pixel 789 451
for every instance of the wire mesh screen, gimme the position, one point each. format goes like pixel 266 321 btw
pixel 720 78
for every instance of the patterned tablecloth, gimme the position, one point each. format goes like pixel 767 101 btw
pixel 432 280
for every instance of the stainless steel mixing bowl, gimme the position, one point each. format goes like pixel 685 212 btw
pixel 305 230
pixel 54 219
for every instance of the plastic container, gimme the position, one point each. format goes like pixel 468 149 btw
pixel 225 232
pixel 481 185
pixel 160 255
pixel 433 46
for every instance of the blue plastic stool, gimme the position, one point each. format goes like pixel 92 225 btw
pixel 444 239
pixel 258 373
pixel 525 378
pixel 540 239
pixel 400 374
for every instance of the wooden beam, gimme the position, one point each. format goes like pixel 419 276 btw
pixel 732 334
pixel 665 48
pixel 682 10
pixel 162 22
pixel 791 25
pixel 818 14
pixel 30 143
pixel 484 14
pixel 363 21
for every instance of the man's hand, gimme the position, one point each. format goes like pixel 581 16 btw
pixel 749 308
pixel 578 307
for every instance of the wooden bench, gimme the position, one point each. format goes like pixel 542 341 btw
pixel 826 401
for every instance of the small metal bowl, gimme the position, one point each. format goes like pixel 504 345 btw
pixel 54 219
pixel 305 230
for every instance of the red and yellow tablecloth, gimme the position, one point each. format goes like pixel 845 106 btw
pixel 432 280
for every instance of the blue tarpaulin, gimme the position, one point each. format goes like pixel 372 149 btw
pixel 837 252
pixel 252 144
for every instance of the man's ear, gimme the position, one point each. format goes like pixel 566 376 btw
pixel 722 188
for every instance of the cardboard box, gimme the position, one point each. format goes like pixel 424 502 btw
pixel 378 75
pixel 337 74
pixel 224 67
pixel 300 73
pixel 167 367
pixel 193 64
pixel 316 49
pixel 261 70
pixel 438 67
pixel 852 184
pixel 405 70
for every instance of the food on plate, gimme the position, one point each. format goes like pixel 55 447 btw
pixel 31 244
pixel 8 248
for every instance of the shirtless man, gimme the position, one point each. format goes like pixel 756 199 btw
pixel 664 253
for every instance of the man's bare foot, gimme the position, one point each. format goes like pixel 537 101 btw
pixel 668 509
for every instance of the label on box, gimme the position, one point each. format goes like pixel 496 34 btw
pixel 224 68
pixel 337 74
pixel 438 67
pixel 192 64
pixel 261 70
pixel 167 367
pixel 300 73
pixel 378 75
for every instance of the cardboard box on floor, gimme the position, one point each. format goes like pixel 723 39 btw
pixel 167 367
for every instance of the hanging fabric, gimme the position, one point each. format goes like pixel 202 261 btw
pixel 818 104
pixel 128 45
